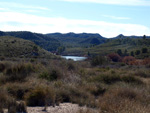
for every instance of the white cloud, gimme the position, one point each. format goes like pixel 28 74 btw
pixel 116 17
pixel 2 9
pixel 13 21
pixel 116 2
pixel 22 6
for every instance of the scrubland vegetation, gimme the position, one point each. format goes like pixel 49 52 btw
pixel 106 86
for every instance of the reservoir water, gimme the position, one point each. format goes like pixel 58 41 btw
pixel 75 58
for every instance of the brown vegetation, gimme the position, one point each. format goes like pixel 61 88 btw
pixel 108 87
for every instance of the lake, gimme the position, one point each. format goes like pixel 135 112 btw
pixel 75 58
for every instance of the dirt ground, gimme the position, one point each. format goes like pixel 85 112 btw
pixel 62 108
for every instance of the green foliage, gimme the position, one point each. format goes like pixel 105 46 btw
pixel 60 49
pixel 99 60
pixel 119 52
pixel 132 79
pixel 52 75
pixel 107 78
pixel 126 45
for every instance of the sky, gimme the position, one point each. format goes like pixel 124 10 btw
pixel 109 18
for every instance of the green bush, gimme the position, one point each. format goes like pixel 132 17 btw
pixel 52 75
pixel 108 78
pixel 99 60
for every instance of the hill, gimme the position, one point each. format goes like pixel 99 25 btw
pixel 15 47
pixel 78 40
pixel 43 41
pixel 122 36
pixel 126 45
pixel 55 41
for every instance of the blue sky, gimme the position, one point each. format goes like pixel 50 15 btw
pixel 106 17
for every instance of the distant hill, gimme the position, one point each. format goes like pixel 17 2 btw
pixel 15 47
pixel 122 36
pixel 78 40
pixel 127 45
pixel 93 41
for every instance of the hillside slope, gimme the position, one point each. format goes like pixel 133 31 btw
pixel 127 45
pixel 15 47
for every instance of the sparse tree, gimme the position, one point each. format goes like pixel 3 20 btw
pixel 144 37
pixel 119 51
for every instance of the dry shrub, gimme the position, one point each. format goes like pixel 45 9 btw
pixel 107 78
pixel 71 66
pixel 17 107
pixel 146 61
pixel 4 98
pixel 12 106
pixel 21 107
pixel 17 90
pixel 114 57
pixel 75 94
pixel 3 78
pixel 94 89
pixel 128 60
pixel 63 95
pixel 40 96
pixel 19 72
pixel 2 67
pixel 122 100
pixel 145 73
pixel 1 109
pixel 6 101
